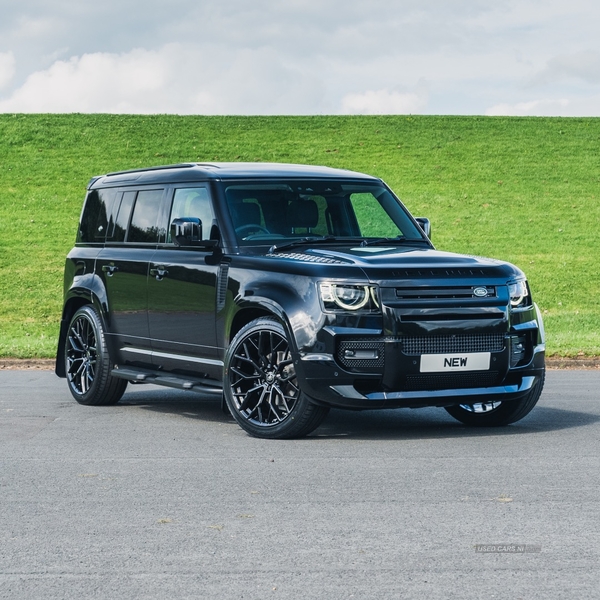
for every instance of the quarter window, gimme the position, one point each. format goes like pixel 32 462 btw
pixel 94 222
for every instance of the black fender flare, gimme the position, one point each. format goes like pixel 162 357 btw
pixel 85 289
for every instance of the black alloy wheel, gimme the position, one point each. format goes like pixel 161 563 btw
pixel 261 386
pixel 88 363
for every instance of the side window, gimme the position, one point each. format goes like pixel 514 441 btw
pixel 192 202
pixel 119 219
pixel 144 222
pixel 94 219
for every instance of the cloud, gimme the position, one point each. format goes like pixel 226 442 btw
pixel 92 83
pixel 7 68
pixel 532 108
pixel 583 66
pixel 298 57
pixel 175 78
pixel 383 102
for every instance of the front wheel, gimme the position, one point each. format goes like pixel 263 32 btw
pixel 88 361
pixel 261 387
pixel 497 413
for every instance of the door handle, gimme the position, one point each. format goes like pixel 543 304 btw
pixel 159 273
pixel 110 270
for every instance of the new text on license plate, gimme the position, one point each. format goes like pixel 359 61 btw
pixel 473 361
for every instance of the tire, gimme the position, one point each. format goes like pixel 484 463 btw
pixel 498 413
pixel 261 387
pixel 87 361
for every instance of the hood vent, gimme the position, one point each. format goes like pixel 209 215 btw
pixel 309 258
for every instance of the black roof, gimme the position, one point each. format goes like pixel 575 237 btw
pixel 222 170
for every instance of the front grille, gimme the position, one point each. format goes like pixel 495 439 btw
pixel 449 381
pixel 453 344
pixel 446 292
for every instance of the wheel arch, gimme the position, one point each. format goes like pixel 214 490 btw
pixel 293 301
pixel 246 315
pixel 77 297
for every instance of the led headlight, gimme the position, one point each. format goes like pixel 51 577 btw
pixel 349 297
pixel 519 293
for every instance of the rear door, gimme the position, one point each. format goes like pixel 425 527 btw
pixel 123 265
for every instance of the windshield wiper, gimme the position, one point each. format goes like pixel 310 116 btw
pixel 322 239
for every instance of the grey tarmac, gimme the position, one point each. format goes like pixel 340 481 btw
pixel 163 496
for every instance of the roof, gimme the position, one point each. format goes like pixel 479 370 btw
pixel 222 170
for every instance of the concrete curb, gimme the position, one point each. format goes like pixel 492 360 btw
pixel 553 362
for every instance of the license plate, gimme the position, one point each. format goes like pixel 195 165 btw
pixel 439 363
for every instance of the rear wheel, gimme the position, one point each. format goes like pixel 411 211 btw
pixel 261 387
pixel 496 413
pixel 88 362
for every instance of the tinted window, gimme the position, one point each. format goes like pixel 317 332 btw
pixel 144 222
pixel 94 221
pixel 120 218
pixel 263 213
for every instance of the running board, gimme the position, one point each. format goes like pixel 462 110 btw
pixel 169 380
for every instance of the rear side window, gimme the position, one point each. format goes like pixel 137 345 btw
pixel 117 227
pixel 94 220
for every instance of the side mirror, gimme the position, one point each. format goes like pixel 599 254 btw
pixel 425 225
pixel 186 231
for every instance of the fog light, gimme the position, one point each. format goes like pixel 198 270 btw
pixel 518 348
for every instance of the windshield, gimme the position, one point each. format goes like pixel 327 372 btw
pixel 276 213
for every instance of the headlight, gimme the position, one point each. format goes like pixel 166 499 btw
pixel 519 294
pixel 349 297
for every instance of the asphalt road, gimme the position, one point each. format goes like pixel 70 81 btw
pixel 162 496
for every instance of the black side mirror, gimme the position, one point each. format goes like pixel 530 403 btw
pixel 425 225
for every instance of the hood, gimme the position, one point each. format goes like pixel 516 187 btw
pixel 386 262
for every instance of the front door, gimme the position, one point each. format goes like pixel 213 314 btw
pixel 182 295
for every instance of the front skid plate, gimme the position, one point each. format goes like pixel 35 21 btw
pixel 348 396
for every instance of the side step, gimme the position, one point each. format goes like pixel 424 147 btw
pixel 169 380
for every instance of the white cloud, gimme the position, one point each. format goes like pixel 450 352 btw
pixel 175 78
pixel 383 102
pixel 7 68
pixel 300 57
pixel 92 83
pixel 532 108
pixel 583 66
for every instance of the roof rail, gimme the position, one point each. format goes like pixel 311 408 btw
pixel 159 168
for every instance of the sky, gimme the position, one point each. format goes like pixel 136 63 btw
pixel 301 57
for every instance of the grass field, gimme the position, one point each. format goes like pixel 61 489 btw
pixel 519 189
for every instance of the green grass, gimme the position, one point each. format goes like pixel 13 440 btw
pixel 524 190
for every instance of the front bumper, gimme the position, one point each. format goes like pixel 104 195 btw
pixel 400 384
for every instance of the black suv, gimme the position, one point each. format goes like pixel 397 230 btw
pixel 286 290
